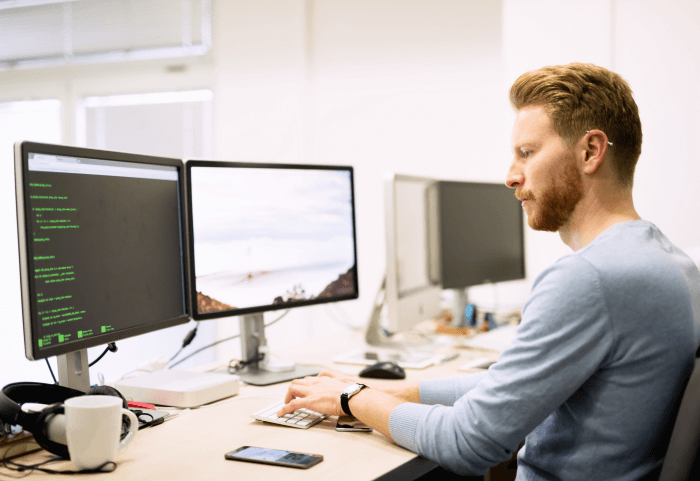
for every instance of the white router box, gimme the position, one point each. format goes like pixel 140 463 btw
pixel 184 389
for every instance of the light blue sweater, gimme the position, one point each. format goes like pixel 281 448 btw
pixel 606 343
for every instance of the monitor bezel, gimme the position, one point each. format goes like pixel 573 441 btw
pixel 30 321
pixel 257 309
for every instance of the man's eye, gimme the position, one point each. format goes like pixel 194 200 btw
pixel 525 153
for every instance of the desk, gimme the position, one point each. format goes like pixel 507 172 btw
pixel 192 445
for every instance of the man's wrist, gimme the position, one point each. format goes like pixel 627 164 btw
pixel 348 392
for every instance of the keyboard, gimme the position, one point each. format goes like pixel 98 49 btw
pixel 301 418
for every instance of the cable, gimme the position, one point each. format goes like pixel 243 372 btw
pixel 110 347
pixel 346 323
pixel 21 468
pixel 51 370
pixel 276 320
pixel 234 369
pixel 185 342
pixel 219 342
pixel 203 349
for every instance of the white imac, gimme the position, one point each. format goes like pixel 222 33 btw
pixel 411 296
pixel 409 292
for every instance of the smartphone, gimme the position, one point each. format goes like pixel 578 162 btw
pixel 349 423
pixel 276 457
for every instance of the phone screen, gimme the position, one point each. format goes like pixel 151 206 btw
pixel 349 423
pixel 276 457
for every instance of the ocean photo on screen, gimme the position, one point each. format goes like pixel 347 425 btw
pixel 268 236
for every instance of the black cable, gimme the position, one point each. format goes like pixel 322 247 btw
pixel 202 349
pixel 98 358
pixel 219 342
pixel 21 468
pixel 185 342
pixel 147 424
pixel 51 371
pixel 112 347
pixel 241 364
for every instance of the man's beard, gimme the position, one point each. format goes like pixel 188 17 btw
pixel 552 208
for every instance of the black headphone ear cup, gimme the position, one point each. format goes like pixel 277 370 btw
pixel 110 391
pixel 107 391
pixel 39 431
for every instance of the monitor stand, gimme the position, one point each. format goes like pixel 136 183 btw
pixel 374 334
pixel 263 372
pixel 73 370
pixel 459 307
pixel 380 348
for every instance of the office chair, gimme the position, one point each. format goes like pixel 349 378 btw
pixel 681 462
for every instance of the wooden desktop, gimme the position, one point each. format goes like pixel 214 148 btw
pixel 192 445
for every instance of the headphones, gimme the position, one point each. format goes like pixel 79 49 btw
pixel 14 395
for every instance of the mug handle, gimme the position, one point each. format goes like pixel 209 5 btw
pixel 133 429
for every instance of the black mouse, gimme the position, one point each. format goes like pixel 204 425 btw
pixel 384 370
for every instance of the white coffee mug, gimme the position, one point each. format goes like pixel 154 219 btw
pixel 93 428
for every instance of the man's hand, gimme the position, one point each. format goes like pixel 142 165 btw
pixel 342 377
pixel 406 390
pixel 371 406
pixel 320 394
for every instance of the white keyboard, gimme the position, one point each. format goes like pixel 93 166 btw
pixel 301 418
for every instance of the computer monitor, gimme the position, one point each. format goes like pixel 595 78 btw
pixel 479 237
pixel 266 237
pixel 409 293
pixel 101 244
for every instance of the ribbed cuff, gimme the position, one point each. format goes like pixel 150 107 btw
pixel 403 424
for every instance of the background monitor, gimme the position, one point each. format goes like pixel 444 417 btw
pixel 101 243
pixel 411 295
pixel 479 237
pixel 266 237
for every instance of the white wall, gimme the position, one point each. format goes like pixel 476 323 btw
pixel 417 87
pixel 551 32
pixel 657 50
pixel 406 88
pixel 654 46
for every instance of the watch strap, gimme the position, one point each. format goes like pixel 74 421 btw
pixel 345 399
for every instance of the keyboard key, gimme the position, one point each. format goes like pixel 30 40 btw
pixel 301 418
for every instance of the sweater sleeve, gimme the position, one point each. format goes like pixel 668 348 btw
pixel 446 391
pixel 563 339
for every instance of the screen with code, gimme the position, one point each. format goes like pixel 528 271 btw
pixel 104 247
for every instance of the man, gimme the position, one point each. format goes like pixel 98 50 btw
pixel 608 334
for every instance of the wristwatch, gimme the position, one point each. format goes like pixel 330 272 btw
pixel 349 391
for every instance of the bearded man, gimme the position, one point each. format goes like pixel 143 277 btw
pixel 593 378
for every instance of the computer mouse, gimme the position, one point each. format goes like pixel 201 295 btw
pixel 384 370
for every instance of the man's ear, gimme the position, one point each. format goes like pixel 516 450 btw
pixel 595 146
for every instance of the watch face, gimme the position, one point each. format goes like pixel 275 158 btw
pixel 352 389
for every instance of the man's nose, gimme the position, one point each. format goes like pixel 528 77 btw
pixel 514 177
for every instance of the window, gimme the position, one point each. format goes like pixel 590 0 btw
pixel 169 124
pixel 40 121
pixel 41 33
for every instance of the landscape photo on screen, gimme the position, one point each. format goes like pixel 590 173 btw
pixel 271 236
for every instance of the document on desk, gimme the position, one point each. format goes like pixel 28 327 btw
pixel 497 339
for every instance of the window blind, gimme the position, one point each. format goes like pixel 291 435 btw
pixel 38 33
